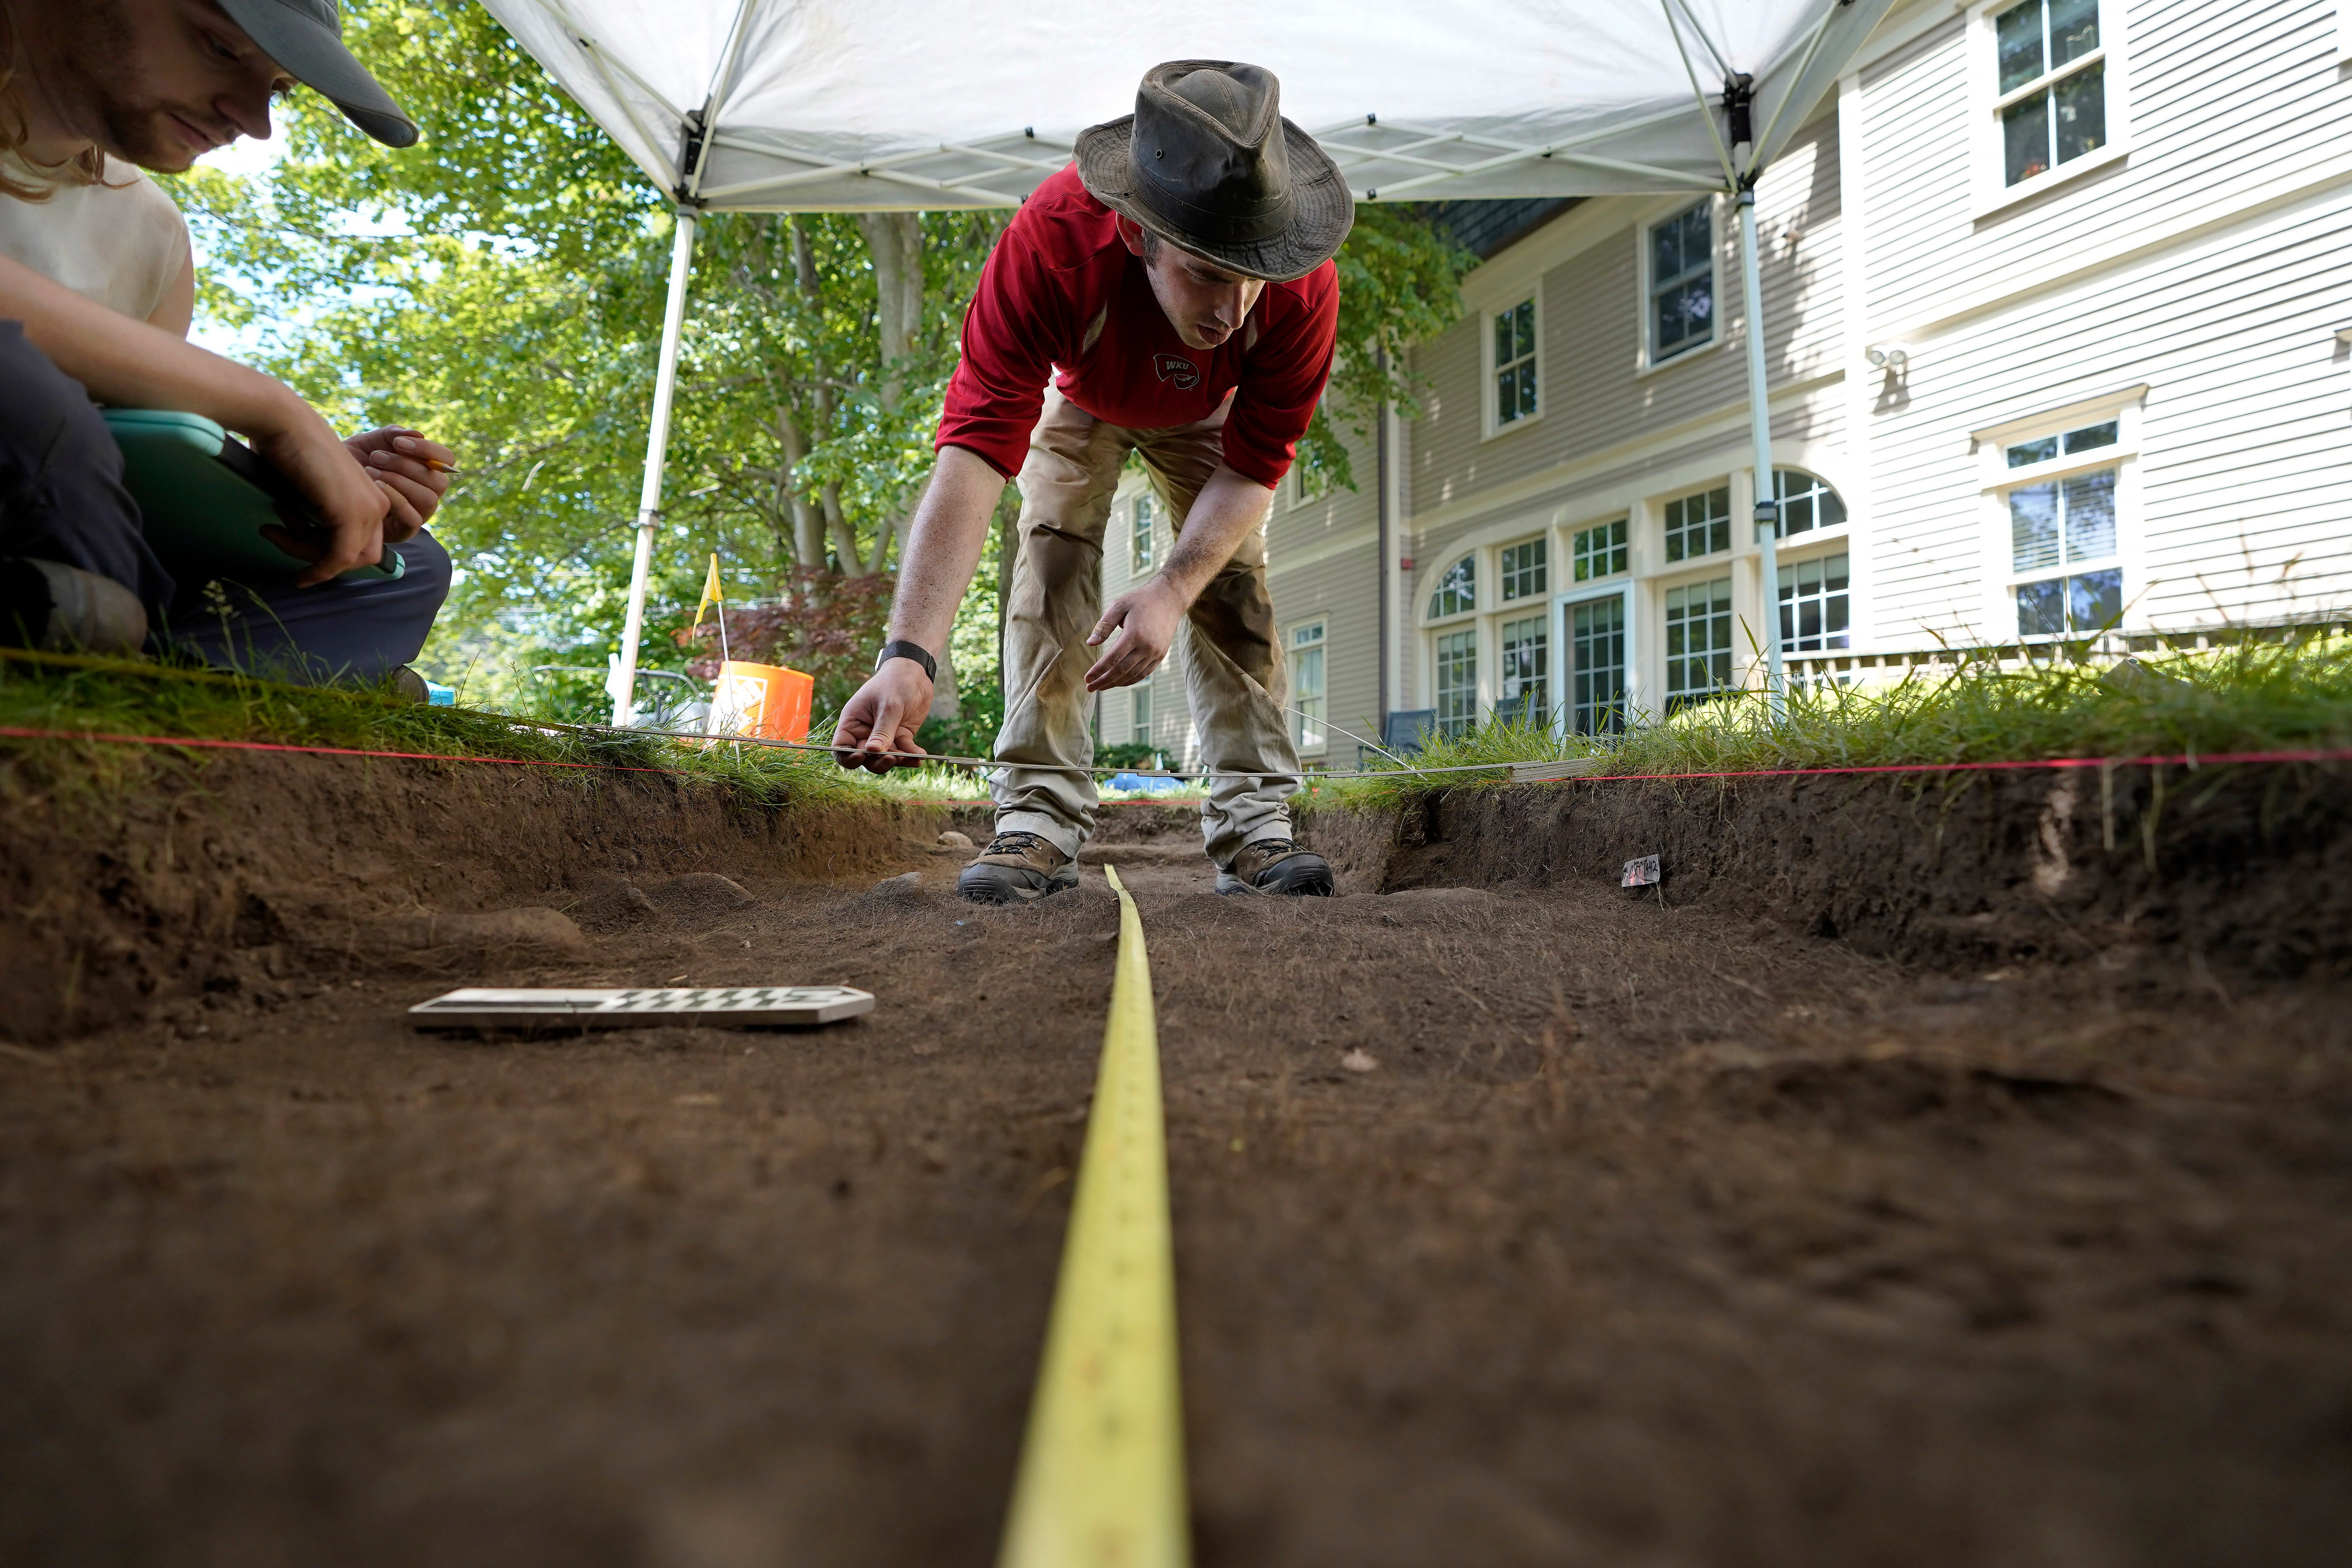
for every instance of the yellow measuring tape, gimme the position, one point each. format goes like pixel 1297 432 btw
pixel 1102 1470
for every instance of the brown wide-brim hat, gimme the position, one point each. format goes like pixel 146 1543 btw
pixel 1207 163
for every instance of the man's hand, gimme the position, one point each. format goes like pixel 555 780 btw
pixel 883 717
pixel 1145 620
pixel 351 502
pixel 412 470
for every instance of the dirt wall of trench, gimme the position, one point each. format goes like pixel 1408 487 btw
pixel 223 875
pixel 2249 869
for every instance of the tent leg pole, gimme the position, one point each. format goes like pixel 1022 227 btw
pixel 1760 423
pixel 681 262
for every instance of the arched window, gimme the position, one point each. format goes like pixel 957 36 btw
pixel 1457 591
pixel 1806 502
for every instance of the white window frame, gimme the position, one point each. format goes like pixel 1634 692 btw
pixel 1837 530
pixel 1534 607
pixel 1719 572
pixel 1643 363
pixel 1509 605
pixel 1986 101
pixel 1494 425
pixel 1802 553
pixel 1291 649
pixel 1294 482
pixel 1479 574
pixel 1139 529
pixel 1571 583
pixel 1657 509
pixel 1621 588
pixel 1996 478
pixel 1141 691
pixel 1480 666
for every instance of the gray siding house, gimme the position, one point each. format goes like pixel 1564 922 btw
pixel 2058 321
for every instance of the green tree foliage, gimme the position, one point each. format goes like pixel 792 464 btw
pixel 501 287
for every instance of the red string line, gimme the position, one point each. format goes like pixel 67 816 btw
pixel 2185 759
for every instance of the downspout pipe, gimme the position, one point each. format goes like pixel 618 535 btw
pixel 1388 554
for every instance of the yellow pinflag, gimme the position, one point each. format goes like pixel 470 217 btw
pixel 1102 1471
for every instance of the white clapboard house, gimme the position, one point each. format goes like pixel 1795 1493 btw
pixel 2058 307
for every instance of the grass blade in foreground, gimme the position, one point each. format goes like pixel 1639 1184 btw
pixel 1102 1470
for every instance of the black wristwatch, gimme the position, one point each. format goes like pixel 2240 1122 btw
pixel 900 647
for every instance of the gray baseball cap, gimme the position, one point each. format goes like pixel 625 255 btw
pixel 306 38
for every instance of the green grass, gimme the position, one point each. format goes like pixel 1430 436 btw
pixel 2254 697
pixel 47 691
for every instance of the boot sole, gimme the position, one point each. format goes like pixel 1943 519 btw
pixel 1314 883
pixel 992 891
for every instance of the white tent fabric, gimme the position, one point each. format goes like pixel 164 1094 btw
pixel 851 105
pixel 843 105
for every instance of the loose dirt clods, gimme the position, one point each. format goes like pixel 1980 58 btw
pixel 1523 1222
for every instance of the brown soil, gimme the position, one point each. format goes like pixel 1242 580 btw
pixel 1660 1230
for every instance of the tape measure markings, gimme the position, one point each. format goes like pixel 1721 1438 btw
pixel 1101 1483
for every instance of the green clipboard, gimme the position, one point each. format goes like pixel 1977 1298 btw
pixel 205 497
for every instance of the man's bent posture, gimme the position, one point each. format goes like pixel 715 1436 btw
pixel 97 288
pixel 1176 286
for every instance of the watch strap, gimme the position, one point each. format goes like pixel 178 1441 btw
pixel 900 647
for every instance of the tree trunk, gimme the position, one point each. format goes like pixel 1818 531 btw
pixel 808 523
pixel 896 240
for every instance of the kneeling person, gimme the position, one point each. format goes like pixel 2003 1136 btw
pixel 1176 287
pixel 97 293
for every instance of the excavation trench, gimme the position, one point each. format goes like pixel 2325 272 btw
pixel 1912 1176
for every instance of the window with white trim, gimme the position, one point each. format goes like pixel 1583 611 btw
pixel 1596 647
pixel 1457 591
pixel 1457 681
pixel 1806 502
pixel 2050 79
pixel 1526 569
pixel 1308 485
pixel 1600 550
pixel 1525 685
pixel 1307 731
pixel 1514 363
pixel 1141 551
pixel 1681 263
pixel 1698 524
pixel 1816 607
pixel 2065 559
pixel 1699 642
pixel 1138 712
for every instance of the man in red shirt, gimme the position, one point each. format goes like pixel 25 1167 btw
pixel 1176 287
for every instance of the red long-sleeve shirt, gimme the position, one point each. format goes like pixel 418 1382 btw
pixel 1058 264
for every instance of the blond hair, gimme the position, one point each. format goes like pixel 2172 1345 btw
pixel 87 167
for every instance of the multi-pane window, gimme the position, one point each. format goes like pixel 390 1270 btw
pixel 1698 524
pixel 1138 712
pixel 2052 85
pixel 1596 636
pixel 1806 502
pixel 1525 569
pixel 1681 282
pixel 1600 550
pixel 1527 671
pixel 1145 522
pixel 1307 696
pixel 1815 606
pixel 2061 539
pixel 1514 363
pixel 1457 591
pixel 1698 641
pixel 1457 681
pixel 1308 484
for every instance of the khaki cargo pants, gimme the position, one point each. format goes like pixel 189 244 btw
pixel 1230 655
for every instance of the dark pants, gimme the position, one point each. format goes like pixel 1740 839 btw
pixel 61 498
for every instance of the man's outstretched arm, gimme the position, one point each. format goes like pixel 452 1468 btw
pixel 1144 619
pixel 942 551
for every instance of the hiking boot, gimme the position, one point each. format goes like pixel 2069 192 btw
pixel 1277 866
pixel 409 686
pixel 1016 867
pixel 65 609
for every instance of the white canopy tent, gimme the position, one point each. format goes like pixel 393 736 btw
pixel 849 105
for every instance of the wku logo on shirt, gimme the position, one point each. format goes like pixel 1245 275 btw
pixel 1179 372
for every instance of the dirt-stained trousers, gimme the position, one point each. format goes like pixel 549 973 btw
pixel 1230 655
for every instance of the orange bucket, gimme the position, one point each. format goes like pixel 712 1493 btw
pixel 763 699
